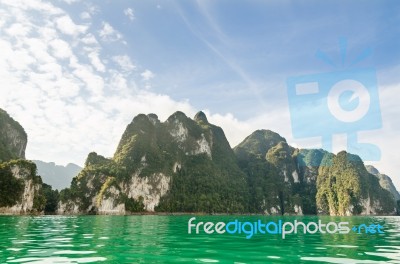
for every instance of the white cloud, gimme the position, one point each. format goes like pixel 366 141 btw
pixel 89 39
pixel 129 13
pixel 93 83
pixel 93 9
pixel 18 30
pixel 71 1
pixel 96 62
pixel 68 27
pixel 21 60
pixel 118 82
pixel 147 75
pixel 85 15
pixel 108 33
pixel 39 50
pixel 60 49
pixel 124 62
pixel 33 5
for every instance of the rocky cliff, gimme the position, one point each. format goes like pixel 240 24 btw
pixel 180 165
pixel 187 165
pixel 20 187
pixel 285 180
pixel 272 176
pixel 345 187
pixel 13 138
pixel 384 181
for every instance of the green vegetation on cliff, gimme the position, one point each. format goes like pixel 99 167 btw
pixel 187 165
pixel 14 176
pixel 345 187
pixel 94 182
pixel 52 199
pixel 205 181
pixel 11 188
pixel 21 189
pixel 282 179
pixel 195 155
pixel 270 165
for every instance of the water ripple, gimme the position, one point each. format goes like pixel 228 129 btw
pixel 164 239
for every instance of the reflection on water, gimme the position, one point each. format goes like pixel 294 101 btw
pixel 164 239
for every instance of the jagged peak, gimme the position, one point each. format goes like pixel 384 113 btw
pixel 94 158
pixel 371 169
pixel 153 118
pixel 140 117
pixel 258 143
pixel 266 132
pixel 178 115
pixel 200 117
pixel 152 115
pixel 10 130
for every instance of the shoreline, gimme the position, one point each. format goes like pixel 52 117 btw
pixel 192 214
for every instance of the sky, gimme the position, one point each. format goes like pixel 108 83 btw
pixel 74 73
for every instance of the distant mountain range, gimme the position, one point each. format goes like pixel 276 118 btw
pixel 58 176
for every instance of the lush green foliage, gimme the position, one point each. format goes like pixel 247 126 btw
pixel 203 183
pixel 265 185
pixel 398 207
pixel 257 144
pixel 52 197
pixel 346 184
pixel 202 186
pixel 39 201
pixel 11 188
pixel 132 205
pixel 263 174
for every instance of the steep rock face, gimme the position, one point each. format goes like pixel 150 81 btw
pixel 308 162
pixel 346 188
pixel 20 188
pixel 13 138
pixel 272 174
pixel 150 189
pixel 283 159
pixel 384 181
pixel 177 165
pixel 187 165
pixel 284 180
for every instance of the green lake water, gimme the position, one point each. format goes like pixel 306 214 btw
pixel 165 239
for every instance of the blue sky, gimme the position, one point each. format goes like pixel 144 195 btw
pixel 216 52
pixel 75 73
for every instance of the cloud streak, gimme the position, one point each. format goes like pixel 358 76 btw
pixel 223 44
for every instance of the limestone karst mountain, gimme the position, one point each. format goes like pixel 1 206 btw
pixel 20 187
pixel 180 165
pixel 187 165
